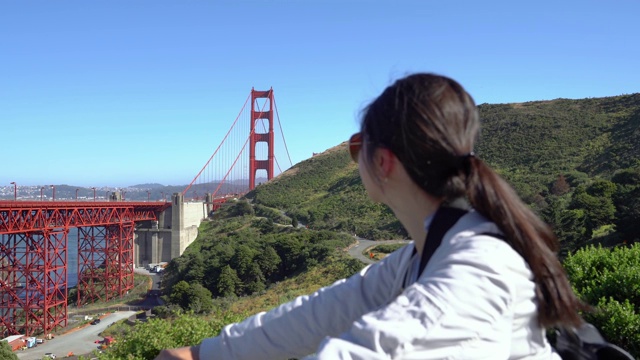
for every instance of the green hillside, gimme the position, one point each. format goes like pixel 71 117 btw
pixel 534 142
pixel 546 149
pixel 325 192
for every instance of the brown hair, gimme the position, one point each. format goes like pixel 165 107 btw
pixel 430 123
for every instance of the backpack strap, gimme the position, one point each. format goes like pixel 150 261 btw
pixel 443 220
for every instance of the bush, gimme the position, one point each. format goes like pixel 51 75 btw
pixel 610 279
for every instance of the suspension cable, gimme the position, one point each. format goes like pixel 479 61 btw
pixel 281 132
pixel 215 152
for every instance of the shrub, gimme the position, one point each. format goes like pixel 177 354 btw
pixel 610 280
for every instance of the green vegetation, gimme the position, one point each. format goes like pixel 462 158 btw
pixel 239 254
pixel 5 351
pixel 141 284
pixel 610 280
pixel 145 340
pixel 575 162
pixel 325 193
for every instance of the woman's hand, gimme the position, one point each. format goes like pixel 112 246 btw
pixel 183 353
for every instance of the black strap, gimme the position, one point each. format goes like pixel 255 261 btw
pixel 443 220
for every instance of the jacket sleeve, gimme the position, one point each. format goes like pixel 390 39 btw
pixel 296 328
pixel 460 308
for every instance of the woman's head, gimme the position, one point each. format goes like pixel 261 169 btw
pixel 430 123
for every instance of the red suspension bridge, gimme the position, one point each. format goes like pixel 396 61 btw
pixel 34 246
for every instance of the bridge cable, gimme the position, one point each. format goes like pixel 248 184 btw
pixel 232 165
pixel 242 150
pixel 215 152
pixel 281 132
pixel 274 157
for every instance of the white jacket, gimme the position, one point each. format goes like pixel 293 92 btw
pixel 474 300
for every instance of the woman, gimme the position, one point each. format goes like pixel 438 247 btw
pixel 488 291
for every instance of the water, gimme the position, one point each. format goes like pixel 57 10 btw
pixel 72 258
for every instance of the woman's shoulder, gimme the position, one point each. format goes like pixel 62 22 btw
pixel 476 237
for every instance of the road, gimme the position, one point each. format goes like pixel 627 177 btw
pixel 363 244
pixel 79 341
pixel 153 296
pixel 82 341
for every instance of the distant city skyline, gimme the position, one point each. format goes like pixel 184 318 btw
pixel 120 93
pixel 136 191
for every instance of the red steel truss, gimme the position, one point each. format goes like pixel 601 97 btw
pixel 255 137
pixel 105 262
pixel 33 258
pixel 34 281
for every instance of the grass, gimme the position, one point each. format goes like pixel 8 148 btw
pixel 141 285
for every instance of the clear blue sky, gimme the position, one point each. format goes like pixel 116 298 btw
pixel 117 93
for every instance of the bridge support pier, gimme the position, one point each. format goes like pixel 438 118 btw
pixel 176 229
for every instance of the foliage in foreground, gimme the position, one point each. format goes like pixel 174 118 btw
pixel 609 279
pixel 146 340
pixel 151 337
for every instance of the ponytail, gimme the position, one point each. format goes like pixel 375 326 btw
pixel 528 235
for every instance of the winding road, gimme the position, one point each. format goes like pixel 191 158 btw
pixel 363 244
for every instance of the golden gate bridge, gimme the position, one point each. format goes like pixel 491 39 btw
pixel 34 234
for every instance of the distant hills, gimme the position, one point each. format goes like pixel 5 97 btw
pixel 140 192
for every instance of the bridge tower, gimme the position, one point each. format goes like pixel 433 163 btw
pixel 266 113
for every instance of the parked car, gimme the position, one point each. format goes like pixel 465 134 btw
pixel 50 356
pixel 95 322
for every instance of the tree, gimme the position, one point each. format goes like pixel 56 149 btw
pixel 599 209
pixel 196 269
pixel 560 186
pixel 254 281
pixel 200 299
pixel 294 221
pixel 229 283
pixel 242 260
pixel 6 352
pixel 268 260
pixel 627 202
pixel 242 208
pixel 180 294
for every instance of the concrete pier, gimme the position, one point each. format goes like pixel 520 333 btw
pixel 167 238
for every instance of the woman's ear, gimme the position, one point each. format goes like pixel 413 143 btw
pixel 385 161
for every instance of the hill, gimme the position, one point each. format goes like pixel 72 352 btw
pixel 532 143
pixel 325 192
pixel 546 149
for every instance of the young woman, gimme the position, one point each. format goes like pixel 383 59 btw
pixel 491 286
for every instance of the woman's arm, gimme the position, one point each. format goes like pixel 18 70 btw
pixel 296 328
pixel 183 353
pixel 461 307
